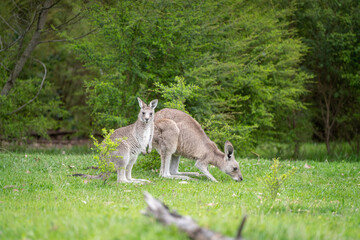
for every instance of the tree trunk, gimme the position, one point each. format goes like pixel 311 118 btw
pixel 297 138
pixel 327 100
pixel 328 118
pixel 327 139
pixel 28 50
pixel 297 149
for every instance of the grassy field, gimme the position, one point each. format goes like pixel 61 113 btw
pixel 39 200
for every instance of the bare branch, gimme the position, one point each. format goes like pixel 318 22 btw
pixel 338 106
pixel 73 22
pixel 11 44
pixel 31 23
pixel 22 35
pixel 8 25
pixel 37 94
pixel 22 10
pixel 51 6
pixel 4 67
pixel 65 23
pixel 161 213
pixel 17 6
pixel 68 40
pixel 238 235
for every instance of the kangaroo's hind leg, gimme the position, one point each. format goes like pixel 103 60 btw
pixel 166 158
pixel 129 170
pixel 166 137
pixel 120 166
pixel 174 168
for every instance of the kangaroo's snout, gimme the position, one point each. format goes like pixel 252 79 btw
pixel 238 178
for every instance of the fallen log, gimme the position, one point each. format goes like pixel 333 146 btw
pixel 87 176
pixel 161 213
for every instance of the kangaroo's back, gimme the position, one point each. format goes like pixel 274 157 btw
pixel 126 131
pixel 193 142
pixel 183 120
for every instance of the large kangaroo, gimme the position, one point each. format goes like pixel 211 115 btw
pixel 138 135
pixel 178 134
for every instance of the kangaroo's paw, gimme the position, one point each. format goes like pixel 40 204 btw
pixel 144 152
pixel 149 150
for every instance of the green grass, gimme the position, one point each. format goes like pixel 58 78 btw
pixel 317 203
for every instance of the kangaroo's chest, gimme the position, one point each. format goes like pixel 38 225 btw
pixel 143 137
pixel 146 136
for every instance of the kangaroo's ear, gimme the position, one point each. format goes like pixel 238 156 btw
pixel 229 149
pixel 153 103
pixel 141 103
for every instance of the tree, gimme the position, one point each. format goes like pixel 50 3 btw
pixel 137 45
pixel 28 103
pixel 331 30
pixel 250 70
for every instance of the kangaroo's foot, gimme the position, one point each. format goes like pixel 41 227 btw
pixel 139 180
pixel 182 177
pixel 194 174
pixel 123 181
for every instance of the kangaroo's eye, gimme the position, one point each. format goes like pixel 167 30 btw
pixel 235 168
pixel 143 113
pixel 150 114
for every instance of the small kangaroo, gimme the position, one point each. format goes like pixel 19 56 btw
pixel 178 134
pixel 139 135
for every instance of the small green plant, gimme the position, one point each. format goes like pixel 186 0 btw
pixel 103 150
pixel 274 179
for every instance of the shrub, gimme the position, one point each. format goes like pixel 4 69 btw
pixel 104 150
pixel 150 162
pixel 176 94
pixel 273 180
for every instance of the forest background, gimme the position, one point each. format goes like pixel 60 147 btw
pixel 276 74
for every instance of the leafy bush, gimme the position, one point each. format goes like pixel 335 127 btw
pixel 149 162
pixel 176 94
pixel 220 131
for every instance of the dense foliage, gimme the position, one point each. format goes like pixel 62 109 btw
pixel 249 71
pixel 245 65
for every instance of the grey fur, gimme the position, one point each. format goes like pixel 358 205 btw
pixel 139 135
